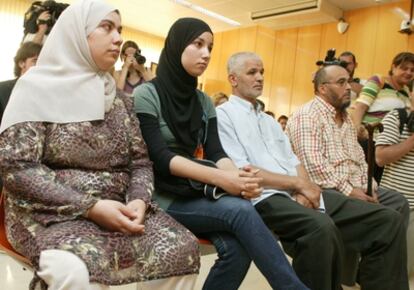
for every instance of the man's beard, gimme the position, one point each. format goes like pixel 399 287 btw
pixel 345 106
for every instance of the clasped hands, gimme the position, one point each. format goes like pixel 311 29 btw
pixel 116 216
pixel 307 193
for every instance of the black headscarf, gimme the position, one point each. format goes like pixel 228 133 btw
pixel 180 106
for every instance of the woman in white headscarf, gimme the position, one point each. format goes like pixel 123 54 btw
pixel 77 178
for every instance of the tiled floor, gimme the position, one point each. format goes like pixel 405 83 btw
pixel 14 277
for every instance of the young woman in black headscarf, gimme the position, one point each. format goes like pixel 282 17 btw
pixel 178 123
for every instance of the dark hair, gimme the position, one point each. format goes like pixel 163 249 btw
pixel 26 50
pixel 128 44
pixel 401 58
pixel 282 117
pixel 270 113
pixel 348 53
pixel 319 78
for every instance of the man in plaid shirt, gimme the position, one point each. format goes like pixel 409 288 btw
pixel 325 140
pixel 290 201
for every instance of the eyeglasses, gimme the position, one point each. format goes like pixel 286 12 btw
pixel 341 83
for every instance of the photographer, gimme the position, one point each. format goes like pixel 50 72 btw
pixel 133 72
pixel 395 151
pixel 350 64
pixel 40 36
pixel 25 58
pixel 40 18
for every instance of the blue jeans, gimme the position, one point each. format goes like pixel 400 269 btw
pixel 239 235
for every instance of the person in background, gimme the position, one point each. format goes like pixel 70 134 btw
pixel 40 36
pixel 283 119
pixel 25 58
pixel 77 178
pixel 179 125
pixel 219 98
pixel 382 94
pixel 132 73
pixel 395 151
pixel 348 58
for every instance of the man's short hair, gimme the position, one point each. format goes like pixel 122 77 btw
pixel 237 60
pixel 282 117
pixel 348 53
pixel 26 50
pixel 319 78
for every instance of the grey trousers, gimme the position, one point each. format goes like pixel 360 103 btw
pixel 391 199
pixel 317 241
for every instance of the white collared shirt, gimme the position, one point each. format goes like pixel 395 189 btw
pixel 253 137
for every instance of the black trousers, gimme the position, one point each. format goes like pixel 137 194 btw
pixel 317 241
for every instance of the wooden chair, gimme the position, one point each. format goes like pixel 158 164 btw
pixel 206 247
pixel 4 243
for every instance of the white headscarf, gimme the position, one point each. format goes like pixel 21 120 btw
pixel 66 85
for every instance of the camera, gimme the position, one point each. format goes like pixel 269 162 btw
pixel 410 122
pixel 140 58
pixel 37 7
pixel 330 59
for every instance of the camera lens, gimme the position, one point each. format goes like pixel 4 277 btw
pixel 140 58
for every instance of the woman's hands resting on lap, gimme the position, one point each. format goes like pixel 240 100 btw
pixel 115 216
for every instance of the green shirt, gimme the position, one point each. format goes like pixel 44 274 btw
pixel 147 101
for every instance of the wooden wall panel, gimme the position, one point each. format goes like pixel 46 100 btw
pixel 362 33
pixel 331 38
pixel 388 41
pixel 289 55
pixel 265 49
pixel 229 46
pixel 283 71
pixel 307 52
pixel 411 43
pixel 248 38
pixel 212 86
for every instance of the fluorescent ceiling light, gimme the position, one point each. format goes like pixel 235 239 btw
pixel 296 6
pixel 206 12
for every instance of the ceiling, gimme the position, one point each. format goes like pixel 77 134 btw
pixel 156 16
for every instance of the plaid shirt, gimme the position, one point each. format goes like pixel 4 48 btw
pixel 331 154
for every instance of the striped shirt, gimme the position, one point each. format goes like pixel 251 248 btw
pixel 381 98
pixel 397 175
pixel 330 154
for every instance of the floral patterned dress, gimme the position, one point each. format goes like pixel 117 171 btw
pixel 53 173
